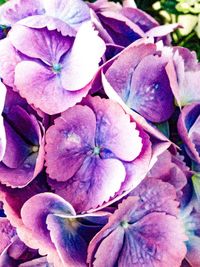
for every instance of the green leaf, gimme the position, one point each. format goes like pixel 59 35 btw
pixel 196 184
pixel 164 128
pixel 2 2
pixel 169 6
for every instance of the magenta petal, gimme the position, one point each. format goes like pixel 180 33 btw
pixel 7 231
pixel 82 62
pixel 42 88
pixel 69 141
pixel 94 183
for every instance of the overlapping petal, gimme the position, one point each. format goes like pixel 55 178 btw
pixel 56 230
pixel 7 232
pixel 186 82
pixel 24 155
pixel 144 90
pixel 58 68
pixel 87 151
pixel 188 128
pixel 143 240
pixel 2 129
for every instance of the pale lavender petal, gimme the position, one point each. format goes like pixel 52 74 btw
pixel 9 57
pixel 73 12
pixel 82 62
pixel 42 88
pixel 13 11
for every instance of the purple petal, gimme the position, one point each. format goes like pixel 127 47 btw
pixel 51 23
pixel 42 88
pixel 142 19
pixel 2 129
pixel 163 141
pixel 40 262
pixel 73 134
pixel 142 90
pixel 93 183
pixel 13 199
pixel 34 220
pixel 49 46
pixel 156 196
pixel 188 129
pixel 7 231
pixel 114 129
pixel 13 11
pixel 147 240
pixel 16 252
pixel 24 154
pixel 122 30
pixel 71 246
pixel 151 95
pixel 137 169
pixel 171 169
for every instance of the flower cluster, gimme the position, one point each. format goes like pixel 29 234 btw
pixel 99 138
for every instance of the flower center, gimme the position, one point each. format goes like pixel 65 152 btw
pixel 124 224
pixel 35 149
pixel 57 68
pixel 96 150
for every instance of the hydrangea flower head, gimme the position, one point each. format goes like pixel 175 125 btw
pixel 58 69
pixel 97 149
pixel 143 231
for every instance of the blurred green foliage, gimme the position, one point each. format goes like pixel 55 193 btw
pixel 2 2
